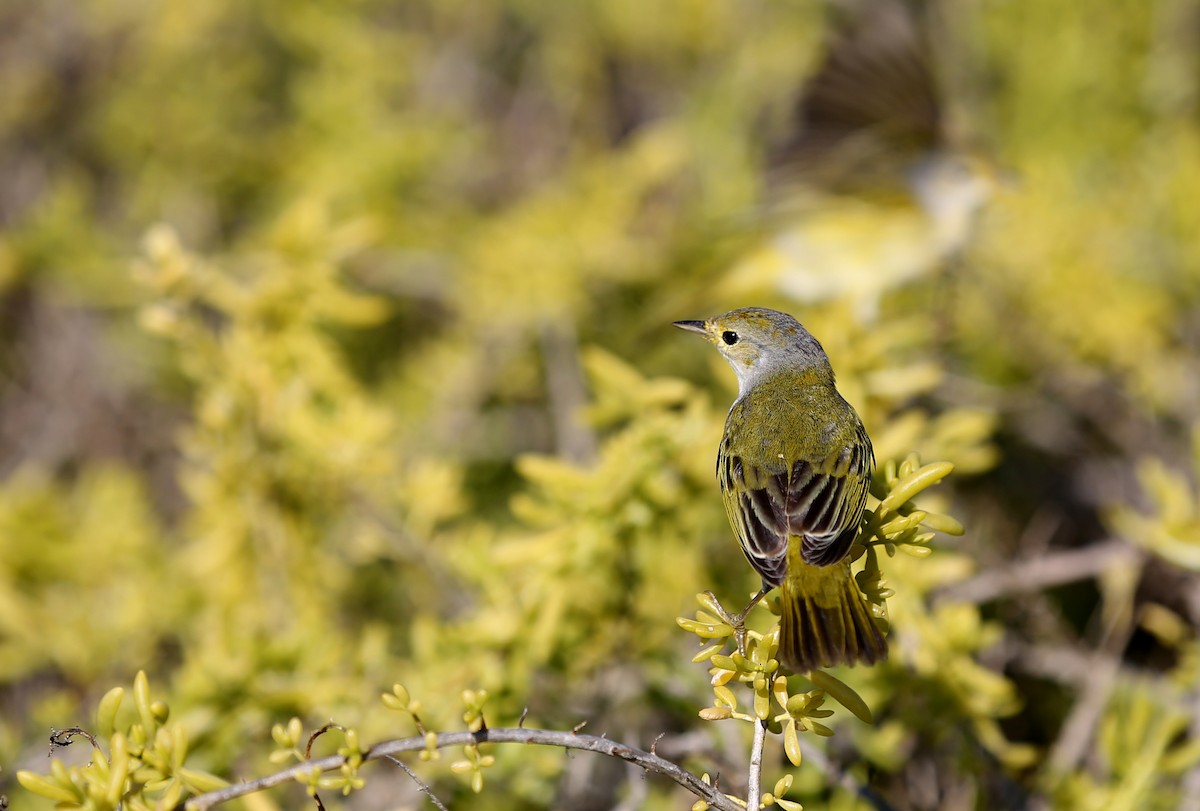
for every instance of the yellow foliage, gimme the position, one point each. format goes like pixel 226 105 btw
pixel 335 351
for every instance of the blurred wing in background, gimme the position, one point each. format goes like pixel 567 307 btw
pixel 872 97
pixel 868 192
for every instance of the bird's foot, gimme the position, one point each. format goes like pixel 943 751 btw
pixel 735 621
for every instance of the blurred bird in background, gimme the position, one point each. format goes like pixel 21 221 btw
pixel 874 186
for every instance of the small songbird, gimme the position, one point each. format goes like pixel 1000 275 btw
pixel 794 468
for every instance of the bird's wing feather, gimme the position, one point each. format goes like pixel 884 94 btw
pixel 754 504
pixel 826 501
pixel 822 502
pixel 876 89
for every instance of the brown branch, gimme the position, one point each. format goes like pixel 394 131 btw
pixel 313 737
pixel 534 737
pixel 62 738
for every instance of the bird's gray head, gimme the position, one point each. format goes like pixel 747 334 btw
pixel 758 342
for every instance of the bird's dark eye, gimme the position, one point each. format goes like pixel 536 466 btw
pixel 729 337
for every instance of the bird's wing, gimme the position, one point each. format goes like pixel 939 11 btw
pixel 826 501
pixel 755 503
pixel 822 502
pixel 874 94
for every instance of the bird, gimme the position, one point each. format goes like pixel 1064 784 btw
pixel 875 186
pixel 794 468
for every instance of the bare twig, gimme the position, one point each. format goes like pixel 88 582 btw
pixel 318 733
pixel 754 791
pixel 62 738
pixel 421 784
pixel 534 737
pixel 308 754
pixel 1034 575
pixel 654 743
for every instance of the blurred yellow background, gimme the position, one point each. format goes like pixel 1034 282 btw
pixel 335 351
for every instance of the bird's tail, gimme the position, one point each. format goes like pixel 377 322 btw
pixel 825 619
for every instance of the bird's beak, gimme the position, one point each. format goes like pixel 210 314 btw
pixel 698 327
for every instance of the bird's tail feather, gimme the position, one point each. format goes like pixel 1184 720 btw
pixel 825 620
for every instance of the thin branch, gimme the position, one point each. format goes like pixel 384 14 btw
pixel 313 737
pixel 535 737
pixel 421 784
pixel 754 792
pixel 62 738
pixel 1034 575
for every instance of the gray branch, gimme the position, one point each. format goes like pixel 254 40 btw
pixel 754 793
pixel 422 786
pixel 535 737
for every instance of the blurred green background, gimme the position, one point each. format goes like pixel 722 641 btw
pixel 335 351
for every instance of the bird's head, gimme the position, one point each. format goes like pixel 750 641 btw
pixel 758 342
